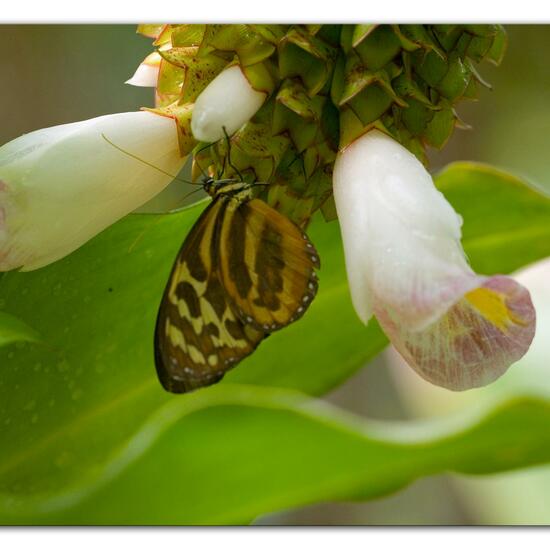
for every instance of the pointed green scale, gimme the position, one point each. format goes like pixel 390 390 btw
pixel 346 38
pixel 479 47
pixel 199 71
pixel 378 47
pixel 169 83
pixel 293 95
pixel 360 32
pixel 271 33
pixel 498 48
pixel 325 85
pixel 371 103
pixel 185 36
pixel 455 82
pixel 262 76
pixel 439 129
pixel 448 35
pixel 405 87
pixel 430 66
pixel 150 30
pixel 416 116
pixel 306 57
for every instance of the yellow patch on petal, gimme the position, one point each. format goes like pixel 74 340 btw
pixel 492 305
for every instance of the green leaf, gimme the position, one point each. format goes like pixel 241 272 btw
pixel 230 453
pixel 506 221
pixel 85 414
pixel 68 405
pixel 13 329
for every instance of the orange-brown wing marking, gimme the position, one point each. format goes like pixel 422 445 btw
pixel 267 265
pixel 198 337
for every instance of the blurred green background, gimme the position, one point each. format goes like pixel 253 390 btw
pixel 63 73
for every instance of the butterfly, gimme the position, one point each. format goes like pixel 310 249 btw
pixel 244 271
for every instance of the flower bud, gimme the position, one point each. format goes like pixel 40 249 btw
pixel 228 101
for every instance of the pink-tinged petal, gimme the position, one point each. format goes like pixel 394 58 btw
pixel 406 266
pixel 474 341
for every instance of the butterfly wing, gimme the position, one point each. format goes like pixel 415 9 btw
pixel 267 265
pixel 198 337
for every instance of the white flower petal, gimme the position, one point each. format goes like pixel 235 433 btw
pixel 61 186
pixel 147 73
pixel 406 265
pixel 401 237
pixel 228 101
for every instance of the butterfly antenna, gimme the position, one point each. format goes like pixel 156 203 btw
pixel 146 229
pixel 148 163
pixel 220 174
pixel 203 173
pixel 191 193
pixel 229 153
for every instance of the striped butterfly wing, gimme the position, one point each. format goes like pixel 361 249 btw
pixel 198 337
pixel 267 265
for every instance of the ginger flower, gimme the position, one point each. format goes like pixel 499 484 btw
pixel 406 267
pixel 60 186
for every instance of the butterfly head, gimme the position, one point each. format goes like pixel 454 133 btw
pixel 229 186
pixel 210 185
pixel 214 186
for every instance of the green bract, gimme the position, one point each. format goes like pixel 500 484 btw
pixel 89 436
pixel 327 85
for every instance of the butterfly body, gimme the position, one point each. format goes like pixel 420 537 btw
pixel 243 271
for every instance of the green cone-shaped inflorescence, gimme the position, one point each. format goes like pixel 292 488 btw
pixel 326 85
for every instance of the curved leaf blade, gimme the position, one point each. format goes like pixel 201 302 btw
pixel 68 408
pixel 170 473
pixel 506 220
